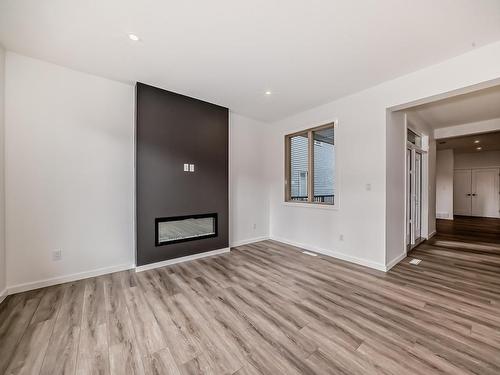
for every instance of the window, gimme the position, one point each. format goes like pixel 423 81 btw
pixel 310 166
pixel 414 138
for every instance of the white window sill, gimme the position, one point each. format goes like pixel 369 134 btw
pixel 319 206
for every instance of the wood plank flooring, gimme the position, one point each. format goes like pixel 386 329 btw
pixel 266 308
pixel 470 228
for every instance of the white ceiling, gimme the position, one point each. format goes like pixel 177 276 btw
pixel 476 106
pixel 487 142
pixel 230 52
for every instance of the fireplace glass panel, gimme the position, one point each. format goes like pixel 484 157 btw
pixel 178 229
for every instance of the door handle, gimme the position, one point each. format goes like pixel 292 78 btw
pixel 469 195
pixel 474 195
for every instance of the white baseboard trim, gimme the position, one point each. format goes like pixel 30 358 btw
pixel 67 278
pixel 432 234
pixel 182 259
pixel 3 295
pixel 334 254
pixel 395 261
pixel 250 240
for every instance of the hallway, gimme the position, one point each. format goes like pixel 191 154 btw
pixel 469 228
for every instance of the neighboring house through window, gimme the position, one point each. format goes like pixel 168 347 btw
pixel 310 166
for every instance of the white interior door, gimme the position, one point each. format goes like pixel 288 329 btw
pixel 462 184
pixel 418 196
pixel 414 170
pixel 485 192
pixel 408 198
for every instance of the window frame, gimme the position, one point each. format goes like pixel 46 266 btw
pixel 310 192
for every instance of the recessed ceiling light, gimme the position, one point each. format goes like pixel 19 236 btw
pixel 268 93
pixel 476 141
pixel 133 37
pixel 479 148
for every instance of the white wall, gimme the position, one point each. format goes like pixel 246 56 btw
pixel 365 145
pixel 2 179
pixel 444 184
pixel 432 172
pixel 69 172
pixel 249 193
pixel 70 181
pixel 483 159
pixel 395 163
pixel 360 218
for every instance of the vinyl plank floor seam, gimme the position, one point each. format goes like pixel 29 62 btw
pixel 51 333
pixel 15 347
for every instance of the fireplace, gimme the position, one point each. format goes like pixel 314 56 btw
pixel 165 124
pixel 175 229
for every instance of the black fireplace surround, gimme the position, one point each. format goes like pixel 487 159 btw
pixel 173 130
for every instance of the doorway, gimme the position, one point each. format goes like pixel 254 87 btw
pixel 462 131
pixel 414 184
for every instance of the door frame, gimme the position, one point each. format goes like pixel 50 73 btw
pixel 424 190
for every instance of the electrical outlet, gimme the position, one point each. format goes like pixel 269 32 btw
pixel 254 226
pixel 341 237
pixel 56 255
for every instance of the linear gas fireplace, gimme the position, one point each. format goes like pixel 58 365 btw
pixel 185 228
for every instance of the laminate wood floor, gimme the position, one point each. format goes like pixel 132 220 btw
pixel 470 228
pixel 266 308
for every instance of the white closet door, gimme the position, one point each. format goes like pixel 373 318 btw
pixel 462 182
pixel 485 192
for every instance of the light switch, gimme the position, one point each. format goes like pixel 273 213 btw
pixel 191 167
pixel 186 167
